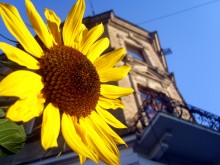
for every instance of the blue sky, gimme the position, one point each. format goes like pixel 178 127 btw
pixel 193 36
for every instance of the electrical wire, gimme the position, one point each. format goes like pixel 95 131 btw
pixel 8 38
pixel 178 12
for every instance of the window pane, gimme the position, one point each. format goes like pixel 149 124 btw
pixel 135 54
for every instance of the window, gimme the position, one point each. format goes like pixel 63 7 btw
pixel 136 54
pixel 153 101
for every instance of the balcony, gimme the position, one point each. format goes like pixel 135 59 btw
pixel 166 136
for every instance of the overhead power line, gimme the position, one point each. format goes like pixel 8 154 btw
pixel 93 11
pixel 1 35
pixel 178 12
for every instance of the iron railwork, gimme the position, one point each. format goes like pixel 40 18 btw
pixel 154 102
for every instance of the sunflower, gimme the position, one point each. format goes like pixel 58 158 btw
pixel 65 81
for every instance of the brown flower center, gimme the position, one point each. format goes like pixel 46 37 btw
pixel 71 82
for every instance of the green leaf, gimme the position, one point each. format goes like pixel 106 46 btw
pixel 12 137
pixel 2 113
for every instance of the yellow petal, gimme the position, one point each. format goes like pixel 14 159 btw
pixel 91 36
pixel 113 74
pixel 53 22
pixel 21 84
pixel 78 39
pixel 83 134
pixel 101 123
pixel 82 159
pixel 17 28
pixel 110 103
pixel 110 59
pixel 98 144
pixel 80 130
pixel 74 140
pixel 72 24
pixel 97 48
pixel 113 92
pixel 38 24
pixel 50 127
pixel 109 142
pixel 19 56
pixel 26 109
pixel 94 121
pixel 109 118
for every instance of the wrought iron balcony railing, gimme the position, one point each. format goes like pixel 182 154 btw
pixel 154 102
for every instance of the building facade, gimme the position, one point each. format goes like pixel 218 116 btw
pixel 162 128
